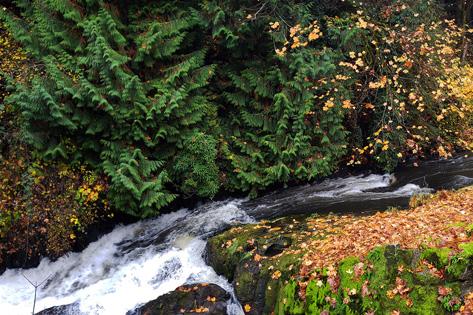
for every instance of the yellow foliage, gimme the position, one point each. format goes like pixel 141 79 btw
pixel 13 59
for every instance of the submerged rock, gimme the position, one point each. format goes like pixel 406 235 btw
pixel 188 299
pixel 69 309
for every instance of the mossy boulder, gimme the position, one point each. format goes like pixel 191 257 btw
pixel 263 261
pixel 258 259
pixel 388 280
pixel 188 299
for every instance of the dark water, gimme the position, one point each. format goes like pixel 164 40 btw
pixel 364 193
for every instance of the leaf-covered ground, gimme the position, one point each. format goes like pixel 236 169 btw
pixel 445 220
pixel 414 261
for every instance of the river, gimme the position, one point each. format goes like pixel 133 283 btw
pixel 136 263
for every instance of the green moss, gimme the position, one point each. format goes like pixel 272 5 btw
pixel 438 256
pixel 271 296
pixel 316 292
pixel 348 278
pixel 422 297
pixel 245 285
pixel 382 277
pixel 424 277
pixel 467 249
pixel 356 294
pixel 225 259
pixel 457 224
pixel 424 301
pixel 233 248
pixel 288 264
pixel 379 271
pixel 461 261
pixel 286 261
pixel 288 300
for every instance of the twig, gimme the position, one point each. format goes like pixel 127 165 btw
pixel 465 50
pixel 36 285
pixel 262 7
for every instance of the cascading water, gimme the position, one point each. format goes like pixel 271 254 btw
pixel 137 263
pixel 127 267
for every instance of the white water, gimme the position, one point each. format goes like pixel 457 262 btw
pixel 353 185
pixel 359 185
pixel 347 194
pixel 127 267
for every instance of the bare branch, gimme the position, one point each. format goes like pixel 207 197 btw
pixel 36 285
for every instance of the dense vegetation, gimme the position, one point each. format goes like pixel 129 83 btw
pixel 151 100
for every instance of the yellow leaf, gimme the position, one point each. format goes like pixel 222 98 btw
pixel 347 104
pixel 274 25
pixel 212 299
pixel 276 275
pixel 247 308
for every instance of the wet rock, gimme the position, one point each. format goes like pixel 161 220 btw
pixel 256 261
pixel 188 299
pixel 467 278
pixel 274 246
pixel 70 309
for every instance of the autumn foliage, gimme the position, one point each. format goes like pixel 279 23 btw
pixel 411 82
pixel 411 261
pixel 172 99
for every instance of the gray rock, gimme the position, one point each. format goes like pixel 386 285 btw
pixel 69 309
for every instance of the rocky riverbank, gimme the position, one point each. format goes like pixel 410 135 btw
pixel 416 261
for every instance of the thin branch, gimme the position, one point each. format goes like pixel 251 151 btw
pixel 36 285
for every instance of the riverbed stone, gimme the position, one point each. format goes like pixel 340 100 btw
pixel 188 299
pixel 70 309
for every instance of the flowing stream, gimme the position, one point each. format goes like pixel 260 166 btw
pixel 136 263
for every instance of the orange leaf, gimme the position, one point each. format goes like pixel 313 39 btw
pixel 247 308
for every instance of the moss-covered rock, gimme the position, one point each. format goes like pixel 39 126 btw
pixel 263 262
pixel 259 260
pixel 188 299
pixel 389 279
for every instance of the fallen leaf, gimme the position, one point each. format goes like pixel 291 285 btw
pixel 276 275
pixel 247 308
